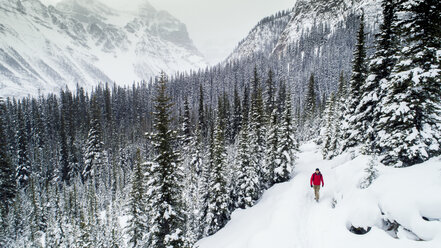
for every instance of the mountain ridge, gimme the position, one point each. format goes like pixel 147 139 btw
pixel 45 48
pixel 303 16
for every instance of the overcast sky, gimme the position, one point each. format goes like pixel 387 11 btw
pixel 215 26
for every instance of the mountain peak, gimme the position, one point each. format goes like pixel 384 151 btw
pixel 86 42
pixel 85 8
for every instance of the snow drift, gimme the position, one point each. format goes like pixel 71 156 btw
pixel 401 208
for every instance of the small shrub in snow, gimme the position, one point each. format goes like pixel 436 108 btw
pixel 371 173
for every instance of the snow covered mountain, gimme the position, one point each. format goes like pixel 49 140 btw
pixel 396 213
pixel 273 35
pixel 263 37
pixel 44 48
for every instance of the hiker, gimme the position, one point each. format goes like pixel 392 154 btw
pixel 316 178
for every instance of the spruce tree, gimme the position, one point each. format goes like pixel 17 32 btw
pixel 84 240
pixel 368 110
pixel 218 201
pixel 64 154
pixel 270 92
pixel 339 111
pixel 281 98
pixel 8 189
pixel 227 116
pixel 201 114
pixel 245 106
pixel 191 157
pixel 287 145
pixel 411 107
pixel 310 100
pixel 186 130
pixel 247 181
pixel 166 206
pixel 35 215
pixel 136 228
pixel 194 181
pixel 91 210
pixel 257 131
pixel 24 169
pixel 352 128
pixel 272 147
pixel 237 114
pixel 7 180
pixel 94 157
pixel 328 131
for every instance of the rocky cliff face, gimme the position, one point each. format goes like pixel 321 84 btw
pixel 315 37
pixel 274 35
pixel 44 48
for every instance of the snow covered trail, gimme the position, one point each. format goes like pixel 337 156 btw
pixel 288 216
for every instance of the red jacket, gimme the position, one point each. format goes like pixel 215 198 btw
pixel 316 179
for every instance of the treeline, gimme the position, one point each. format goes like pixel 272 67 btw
pixel 126 166
pixel 164 163
pixel 392 105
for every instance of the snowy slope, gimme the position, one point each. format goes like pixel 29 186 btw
pixel 287 215
pixel 263 37
pixel 275 36
pixel 44 48
pixel 313 12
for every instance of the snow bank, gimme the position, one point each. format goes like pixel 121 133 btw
pixel 401 208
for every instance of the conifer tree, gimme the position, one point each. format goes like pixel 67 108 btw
pixel 247 181
pixel 272 147
pixel 352 128
pixel 281 97
pixel 165 203
pixel 204 188
pixel 192 156
pixel 194 181
pixel 64 154
pixel 186 130
pixel 227 119
pixel 201 114
pixel 270 92
pixel 92 218
pixel 287 144
pixel 381 64
pixel 84 240
pixel 137 223
pixel 328 132
pixel 54 233
pixel 7 180
pixel 24 169
pixel 310 100
pixel 339 110
pixel 237 114
pixel 94 157
pixel 245 106
pixel 411 106
pixel 35 215
pixel 218 212
pixel 257 131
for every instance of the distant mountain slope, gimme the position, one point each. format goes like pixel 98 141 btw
pixel 315 37
pixel 273 35
pixel 308 13
pixel 84 41
pixel 264 36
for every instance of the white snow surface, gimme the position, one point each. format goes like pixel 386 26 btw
pixel 304 15
pixel 46 48
pixel 313 12
pixel 287 215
